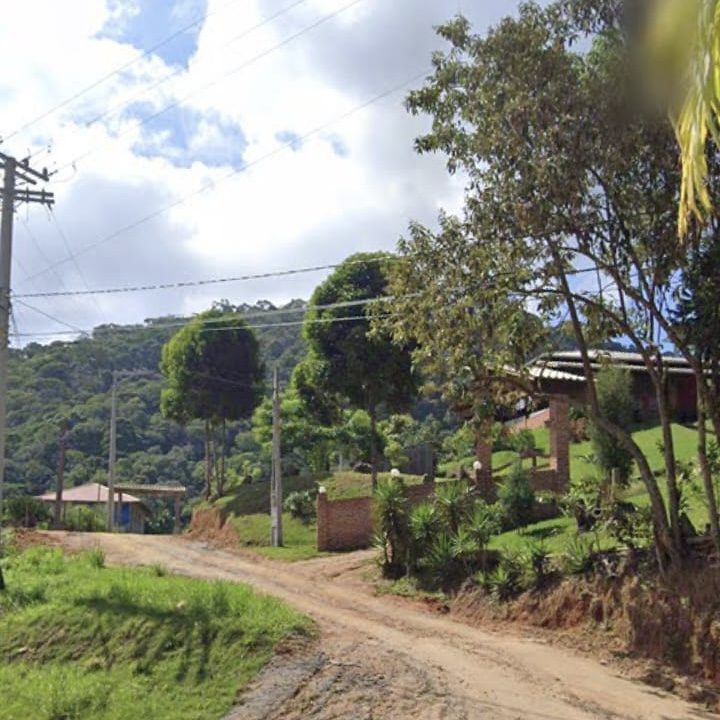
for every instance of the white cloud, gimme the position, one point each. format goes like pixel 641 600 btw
pixel 297 207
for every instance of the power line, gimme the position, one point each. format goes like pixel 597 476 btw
pixel 74 328
pixel 263 326
pixel 232 173
pixel 178 71
pixel 223 319
pixel 198 283
pixel 117 71
pixel 216 81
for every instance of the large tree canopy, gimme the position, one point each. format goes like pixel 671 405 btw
pixel 213 372
pixel 347 361
pixel 569 212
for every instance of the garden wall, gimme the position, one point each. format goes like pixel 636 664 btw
pixel 348 524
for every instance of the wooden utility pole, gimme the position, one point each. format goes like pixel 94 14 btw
pixel 276 493
pixel 15 174
pixel 62 444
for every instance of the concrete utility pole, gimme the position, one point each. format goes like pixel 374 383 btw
pixel 276 493
pixel 15 174
pixel 112 456
pixel 62 446
pixel 119 376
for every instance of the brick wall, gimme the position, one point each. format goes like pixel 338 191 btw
pixel 348 524
pixel 548 480
pixel 535 421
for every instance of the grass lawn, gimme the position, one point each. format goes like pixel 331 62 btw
pixel 255 498
pixel 345 485
pixel 300 541
pixel 80 641
pixel 557 532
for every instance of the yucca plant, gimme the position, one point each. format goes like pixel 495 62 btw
pixel 453 500
pixel 537 557
pixel 440 562
pixel 577 557
pixel 425 525
pixel 392 524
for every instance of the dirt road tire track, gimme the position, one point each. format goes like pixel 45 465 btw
pixel 379 658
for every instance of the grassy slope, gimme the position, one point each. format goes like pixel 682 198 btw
pixel 81 641
pixel 248 508
pixel 556 533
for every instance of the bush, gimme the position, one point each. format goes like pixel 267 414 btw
pixel 616 404
pixel 83 519
pixel 577 558
pixel 537 558
pixel 26 511
pixel 517 498
pixel 453 500
pixel 523 441
pixel 301 506
pixel 392 528
pixel 506 580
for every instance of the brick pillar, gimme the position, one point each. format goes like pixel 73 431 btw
pixel 484 477
pixel 559 424
pixel 322 520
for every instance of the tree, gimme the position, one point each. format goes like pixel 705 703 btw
pixel 615 405
pixel 569 209
pixel 213 372
pixel 348 361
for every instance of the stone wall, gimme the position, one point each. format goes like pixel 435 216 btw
pixel 348 524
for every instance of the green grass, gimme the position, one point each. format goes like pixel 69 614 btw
pixel 557 532
pixel 300 541
pixel 79 641
pixel 346 485
pixel 255 498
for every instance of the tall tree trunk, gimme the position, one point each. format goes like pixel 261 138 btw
pixel 373 446
pixel 669 457
pixel 707 475
pixel 208 460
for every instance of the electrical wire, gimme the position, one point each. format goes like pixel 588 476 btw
pixel 216 81
pixel 200 283
pixel 97 83
pixel 232 173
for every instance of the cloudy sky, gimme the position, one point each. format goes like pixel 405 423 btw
pixel 198 158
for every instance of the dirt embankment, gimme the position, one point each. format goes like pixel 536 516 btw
pixel 212 526
pixel 674 625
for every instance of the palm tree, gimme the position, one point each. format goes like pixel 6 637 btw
pixel 684 39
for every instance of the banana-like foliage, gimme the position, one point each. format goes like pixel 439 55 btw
pixel 684 41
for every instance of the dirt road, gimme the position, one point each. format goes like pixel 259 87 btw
pixel 381 658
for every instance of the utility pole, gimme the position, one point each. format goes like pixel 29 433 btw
pixel 15 174
pixel 118 377
pixel 276 493
pixel 57 520
pixel 113 453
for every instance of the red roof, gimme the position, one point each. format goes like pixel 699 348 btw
pixel 90 493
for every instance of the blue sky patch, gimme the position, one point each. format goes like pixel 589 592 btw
pixel 145 23
pixel 290 138
pixel 184 136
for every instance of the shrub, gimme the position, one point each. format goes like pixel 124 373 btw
pixel 629 525
pixel 523 441
pixel 453 500
pixel 577 557
pixel 26 511
pixel 616 404
pixel 301 506
pixel 83 519
pixel 96 558
pixel 425 526
pixel 537 557
pixel 392 529
pixel 440 562
pixel 516 497
pixel 505 581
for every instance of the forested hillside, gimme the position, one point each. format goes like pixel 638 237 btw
pixel 71 381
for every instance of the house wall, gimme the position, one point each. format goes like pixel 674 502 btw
pixel 348 524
